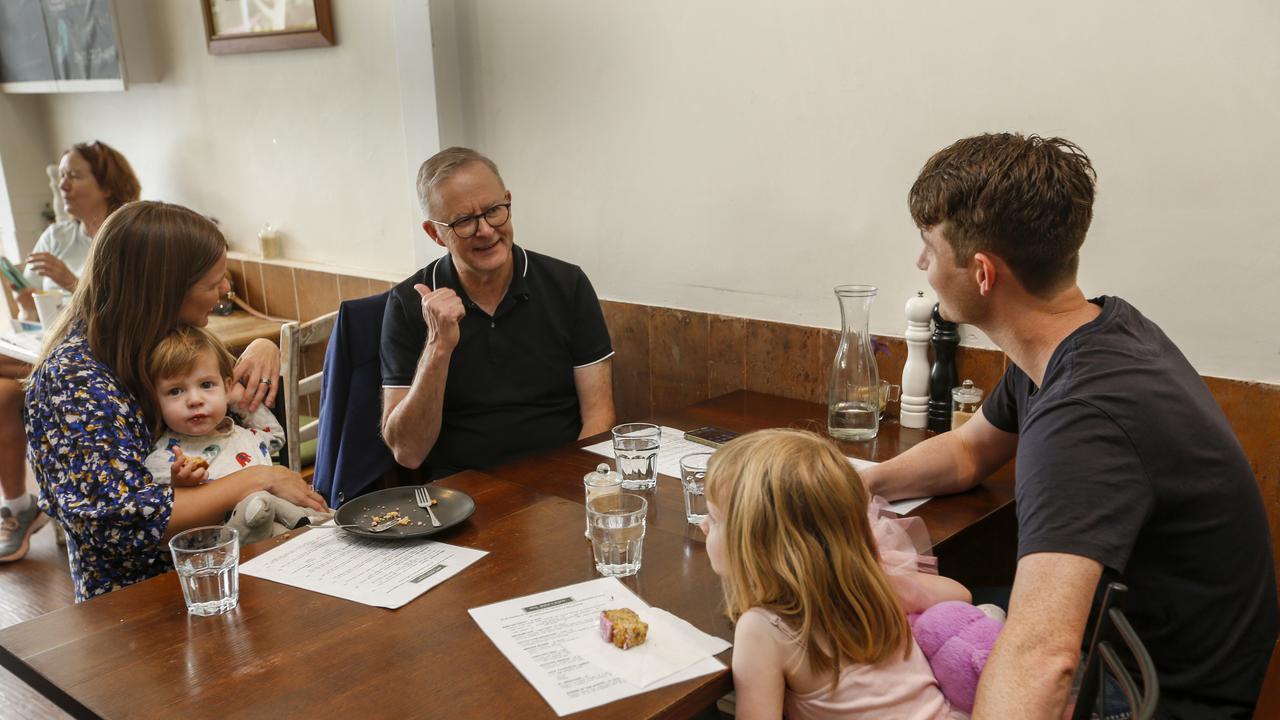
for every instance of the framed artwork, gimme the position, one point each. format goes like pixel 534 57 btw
pixel 240 26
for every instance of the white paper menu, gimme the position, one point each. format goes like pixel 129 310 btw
pixel 674 447
pixel 537 632
pixel 374 572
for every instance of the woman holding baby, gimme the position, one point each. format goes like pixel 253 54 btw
pixel 92 408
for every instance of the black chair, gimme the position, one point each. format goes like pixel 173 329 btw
pixel 1111 631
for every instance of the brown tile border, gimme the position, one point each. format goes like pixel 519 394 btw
pixel 252 292
pixel 351 287
pixel 678 364
pixel 317 293
pixel 632 382
pixel 726 354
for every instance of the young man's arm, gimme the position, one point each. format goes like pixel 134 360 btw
pixel 1030 669
pixel 948 463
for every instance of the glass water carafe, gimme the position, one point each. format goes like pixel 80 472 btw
pixel 853 391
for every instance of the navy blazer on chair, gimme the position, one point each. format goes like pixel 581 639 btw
pixel 350 452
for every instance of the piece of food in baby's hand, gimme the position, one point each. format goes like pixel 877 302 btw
pixel 623 628
pixel 195 462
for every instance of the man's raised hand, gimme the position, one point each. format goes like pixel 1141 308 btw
pixel 442 310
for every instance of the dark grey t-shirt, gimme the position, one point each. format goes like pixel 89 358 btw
pixel 1124 457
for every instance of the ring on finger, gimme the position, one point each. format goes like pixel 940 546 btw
pixel 265 381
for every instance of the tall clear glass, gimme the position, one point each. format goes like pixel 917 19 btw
pixel 853 391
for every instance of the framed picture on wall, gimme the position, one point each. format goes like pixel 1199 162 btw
pixel 240 26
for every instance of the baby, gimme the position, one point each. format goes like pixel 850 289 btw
pixel 192 370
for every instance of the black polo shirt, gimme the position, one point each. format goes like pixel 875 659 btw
pixel 510 390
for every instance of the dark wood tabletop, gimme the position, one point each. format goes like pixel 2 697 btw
pixel 287 652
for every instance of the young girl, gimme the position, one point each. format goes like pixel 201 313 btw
pixel 200 441
pixel 821 630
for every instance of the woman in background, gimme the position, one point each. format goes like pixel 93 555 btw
pixel 94 181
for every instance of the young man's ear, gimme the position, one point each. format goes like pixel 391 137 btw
pixel 984 273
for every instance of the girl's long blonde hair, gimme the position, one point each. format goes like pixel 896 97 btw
pixel 145 258
pixel 798 543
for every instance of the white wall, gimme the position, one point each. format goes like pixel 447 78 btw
pixel 24 186
pixel 311 141
pixel 735 156
pixel 743 156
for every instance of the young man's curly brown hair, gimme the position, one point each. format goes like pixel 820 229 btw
pixel 1025 199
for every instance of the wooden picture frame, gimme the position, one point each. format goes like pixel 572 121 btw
pixel 223 41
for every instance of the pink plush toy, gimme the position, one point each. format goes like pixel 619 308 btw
pixel 956 638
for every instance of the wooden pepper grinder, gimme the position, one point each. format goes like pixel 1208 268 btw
pixel 942 376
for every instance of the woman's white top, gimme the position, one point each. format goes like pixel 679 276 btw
pixel 65 241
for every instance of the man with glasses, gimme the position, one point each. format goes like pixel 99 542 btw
pixel 492 351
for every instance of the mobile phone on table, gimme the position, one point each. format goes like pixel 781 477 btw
pixel 10 272
pixel 711 436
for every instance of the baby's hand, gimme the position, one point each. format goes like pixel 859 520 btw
pixel 188 471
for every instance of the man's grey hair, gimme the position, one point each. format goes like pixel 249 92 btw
pixel 443 164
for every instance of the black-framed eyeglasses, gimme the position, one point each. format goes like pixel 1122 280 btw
pixel 468 226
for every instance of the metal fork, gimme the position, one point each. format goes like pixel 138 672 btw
pixel 424 501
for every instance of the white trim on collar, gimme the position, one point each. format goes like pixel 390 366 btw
pixel 526 261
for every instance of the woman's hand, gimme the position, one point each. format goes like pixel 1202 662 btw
pixel 52 267
pixel 26 301
pixel 289 485
pixel 256 376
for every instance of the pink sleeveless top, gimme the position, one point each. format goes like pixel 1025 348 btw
pixel 895 689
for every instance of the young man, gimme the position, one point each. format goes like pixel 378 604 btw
pixel 492 351
pixel 1126 467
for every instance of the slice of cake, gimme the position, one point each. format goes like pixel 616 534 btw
pixel 623 628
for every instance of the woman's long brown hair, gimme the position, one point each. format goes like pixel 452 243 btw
pixel 145 258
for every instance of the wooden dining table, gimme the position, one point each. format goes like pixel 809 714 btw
pixel 287 652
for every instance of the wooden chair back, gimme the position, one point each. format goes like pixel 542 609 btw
pixel 295 338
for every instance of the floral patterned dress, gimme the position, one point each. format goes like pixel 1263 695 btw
pixel 88 441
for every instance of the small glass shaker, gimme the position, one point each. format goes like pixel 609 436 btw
pixel 965 401
pixel 601 481
pixel 268 242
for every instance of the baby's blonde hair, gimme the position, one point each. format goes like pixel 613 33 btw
pixel 798 542
pixel 178 352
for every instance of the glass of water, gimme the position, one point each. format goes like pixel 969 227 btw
pixel 635 445
pixel 617 532
pixel 693 471
pixel 207 560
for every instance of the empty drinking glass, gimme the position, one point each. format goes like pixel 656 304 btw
pixel 207 560
pixel 617 532
pixel 635 445
pixel 693 470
